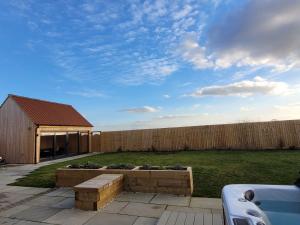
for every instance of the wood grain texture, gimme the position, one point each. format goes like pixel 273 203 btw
pixel 17 134
pixel 185 218
pixel 251 136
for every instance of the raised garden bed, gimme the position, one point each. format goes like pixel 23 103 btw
pixel 136 179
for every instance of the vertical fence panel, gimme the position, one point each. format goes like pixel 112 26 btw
pixel 260 135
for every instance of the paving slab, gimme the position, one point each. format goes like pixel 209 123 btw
pixel 34 191
pixel 135 197
pixel 68 203
pixel 45 201
pixel 61 192
pixel 145 221
pixel 114 207
pixel 14 189
pixel 23 222
pixel 111 219
pixel 71 217
pixel 8 221
pixel 144 210
pixel 36 213
pixel 9 198
pixel 168 199
pixel 14 210
pixel 69 193
pixel 209 203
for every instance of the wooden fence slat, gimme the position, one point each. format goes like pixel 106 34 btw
pixel 260 135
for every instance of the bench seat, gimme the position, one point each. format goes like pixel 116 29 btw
pixel 95 193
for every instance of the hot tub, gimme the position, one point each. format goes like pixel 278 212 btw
pixel 247 204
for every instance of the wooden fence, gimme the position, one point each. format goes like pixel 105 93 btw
pixel 259 135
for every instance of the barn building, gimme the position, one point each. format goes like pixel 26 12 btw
pixel 33 130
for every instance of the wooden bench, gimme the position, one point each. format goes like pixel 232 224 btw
pixel 97 192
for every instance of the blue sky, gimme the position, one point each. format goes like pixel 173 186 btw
pixel 144 64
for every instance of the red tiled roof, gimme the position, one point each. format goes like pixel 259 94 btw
pixel 50 113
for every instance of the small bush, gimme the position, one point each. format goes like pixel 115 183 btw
pixel 149 167
pixel 176 167
pixel 122 166
pixel 74 166
pixel 90 165
pixel 87 165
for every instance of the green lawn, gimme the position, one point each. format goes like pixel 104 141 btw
pixel 211 169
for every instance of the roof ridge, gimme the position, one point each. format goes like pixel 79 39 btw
pixel 41 100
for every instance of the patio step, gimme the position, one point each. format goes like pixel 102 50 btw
pixel 95 193
pixel 189 218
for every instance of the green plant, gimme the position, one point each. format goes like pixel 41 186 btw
pixel 87 165
pixel 122 166
pixel 90 165
pixel 150 167
pixel 176 167
pixel 74 166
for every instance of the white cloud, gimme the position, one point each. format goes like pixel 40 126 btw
pixel 144 109
pixel 193 53
pixel 166 96
pixel 261 33
pixel 182 13
pixel 244 88
pixel 88 93
pixel 151 71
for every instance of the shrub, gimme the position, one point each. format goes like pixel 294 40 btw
pixel 176 167
pixel 149 167
pixel 87 165
pixel 122 166
pixel 74 166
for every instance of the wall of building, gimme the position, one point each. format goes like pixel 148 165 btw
pixel 17 134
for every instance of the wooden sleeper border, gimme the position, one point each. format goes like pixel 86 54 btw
pixel 179 182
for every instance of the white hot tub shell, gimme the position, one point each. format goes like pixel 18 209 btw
pixel 240 211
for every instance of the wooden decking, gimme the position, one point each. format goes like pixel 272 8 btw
pixel 190 218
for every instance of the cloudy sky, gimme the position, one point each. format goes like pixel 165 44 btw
pixel 143 64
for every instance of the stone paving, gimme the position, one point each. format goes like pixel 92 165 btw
pixel 42 206
pixel 11 195
pixel 57 207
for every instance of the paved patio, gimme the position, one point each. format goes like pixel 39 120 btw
pixel 42 206
pixel 57 207
pixel 10 195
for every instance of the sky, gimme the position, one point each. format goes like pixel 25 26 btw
pixel 149 64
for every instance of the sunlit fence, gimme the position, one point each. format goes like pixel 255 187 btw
pixel 259 135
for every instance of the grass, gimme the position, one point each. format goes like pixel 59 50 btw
pixel 211 169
